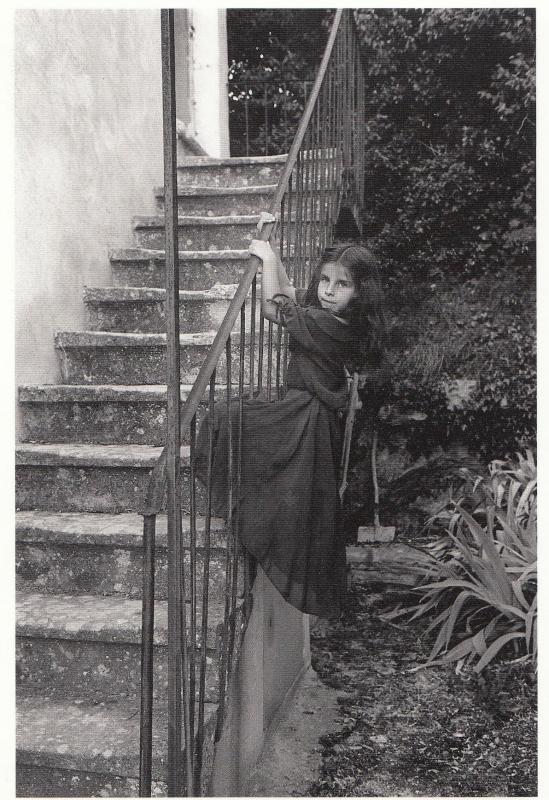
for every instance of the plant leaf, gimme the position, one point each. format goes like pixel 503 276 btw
pixel 494 648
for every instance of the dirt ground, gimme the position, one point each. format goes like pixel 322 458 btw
pixel 431 732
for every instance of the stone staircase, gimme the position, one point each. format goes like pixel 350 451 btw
pixel 88 445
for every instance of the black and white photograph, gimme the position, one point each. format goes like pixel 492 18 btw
pixel 275 418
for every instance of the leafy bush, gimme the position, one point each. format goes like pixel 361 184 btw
pixel 450 140
pixel 466 357
pixel 481 584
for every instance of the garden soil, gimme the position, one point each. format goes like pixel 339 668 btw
pixel 404 731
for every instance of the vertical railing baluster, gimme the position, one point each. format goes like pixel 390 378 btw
pixel 297 223
pixel 285 117
pixel 253 312
pixel 177 642
pixel 229 532
pixel 322 201
pixel 193 575
pixel 239 457
pixel 269 358
pixel 314 188
pixel 205 589
pixel 247 122
pixel 266 120
pixel 261 346
pixel 278 362
pixel 285 243
pixel 307 205
pixel 147 630
pixel 314 194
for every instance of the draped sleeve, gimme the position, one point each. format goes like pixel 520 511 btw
pixel 305 323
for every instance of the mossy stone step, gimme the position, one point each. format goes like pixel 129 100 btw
pixel 133 358
pixel 85 749
pixel 197 233
pixel 220 200
pixel 90 477
pixel 75 556
pixel 124 531
pixel 100 414
pixel 87 645
pixel 139 266
pixel 92 618
pixel 143 309
pixel 241 171
pixel 203 233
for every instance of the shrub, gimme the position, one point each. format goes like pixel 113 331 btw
pixel 450 140
pixel 481 583
pixel 466 357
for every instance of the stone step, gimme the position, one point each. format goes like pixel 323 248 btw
pixel 143 309
pixel 90 646
pixel 204 233
pixel 130 358
pixel 100 414
pixel 98 357
pixel 243 171
pixel 139 266
pixel 123 531
pixel 71 748
pixel 90 477
pixel 197 233
pixel 220 200
pixel 101 554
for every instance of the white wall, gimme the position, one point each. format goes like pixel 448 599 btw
pixel 210 104
pixel 88 132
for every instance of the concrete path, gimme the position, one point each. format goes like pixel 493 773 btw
pixel 291 758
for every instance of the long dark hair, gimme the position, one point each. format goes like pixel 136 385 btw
pixel 365 312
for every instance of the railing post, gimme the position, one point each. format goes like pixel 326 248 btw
pixel 147 628
pixel 177 645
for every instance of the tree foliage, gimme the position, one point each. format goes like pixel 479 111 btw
pixel 451 130
pixel 273 57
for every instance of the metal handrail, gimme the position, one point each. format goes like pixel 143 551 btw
pixel 325 162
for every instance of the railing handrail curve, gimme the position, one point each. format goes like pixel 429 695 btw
pixel 155 488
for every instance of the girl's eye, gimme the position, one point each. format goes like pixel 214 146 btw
pixel 324 278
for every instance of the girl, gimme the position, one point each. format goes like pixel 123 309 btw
pixel 288 508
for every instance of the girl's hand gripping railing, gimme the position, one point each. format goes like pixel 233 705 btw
pixel 354 405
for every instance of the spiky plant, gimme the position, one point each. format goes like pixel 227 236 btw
pixel 480 586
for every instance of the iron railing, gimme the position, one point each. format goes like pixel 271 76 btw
pixel 324 169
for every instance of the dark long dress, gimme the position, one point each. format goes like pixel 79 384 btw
pixel 288 507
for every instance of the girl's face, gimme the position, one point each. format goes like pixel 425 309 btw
pixel 336 288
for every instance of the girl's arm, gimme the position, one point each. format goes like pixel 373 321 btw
pixel 274 279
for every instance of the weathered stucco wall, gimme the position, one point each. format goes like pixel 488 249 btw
pixel 88 132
